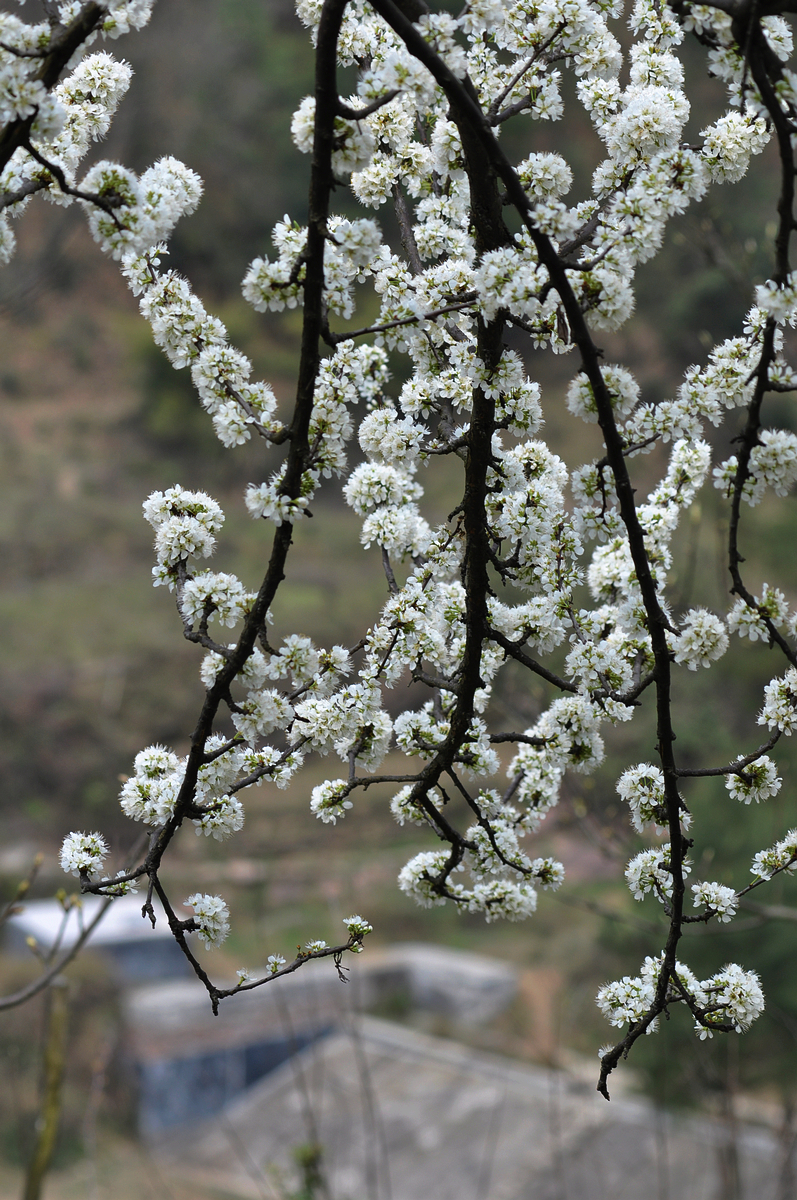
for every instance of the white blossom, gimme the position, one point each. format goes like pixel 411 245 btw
pixel 626 1000
pixel 650 871
pixel 642 788
pixel 217 594
pixel 151 793
pixel 84 854
pixel 720 899
pixel 780 703
pixel 357 926
pixel 702 639
pixel 757 781
pixel 780 857
pixel 773 462
pixel 329 800
pixel 212 917
pixel 225 817
pixel 737 996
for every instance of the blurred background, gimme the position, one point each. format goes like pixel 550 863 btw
pixel 93 418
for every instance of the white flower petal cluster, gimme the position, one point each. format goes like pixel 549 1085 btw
pixel 570 729
pixel 611 574
pixel 599 665
pixel 405 809
pixel 269 763
pixel 252 675
pixel 626 1000
pixel 595 514
pixel 725 382
pixel 730 142
pixel 773 463
pixel 133 214
pixel 386 437
pixel 357 926
pixel 225 816
pixel 223 812
pixel 354 141
pixel 780 857
pixel 702 639
pixel 330 800
pixel 495 851
pixel 549 874
pixel 350 721
pixel 539 779
pixel 545 174
pixel 499 899
pixel 90 96
pixel 720 899
pixel 417 877
pixel 275 285
pixel 642 789
pixel 212 917
pixel 376 485
pixel 649 120
pixel 736 997
pixel 758 781
pixel 22 95
pixel 650 871
pixel 184 523
pixel 215 594
pixel 731 996
pixel 778 301
pixel 150 794
pixel 749 620
pixel 124 15
pixel 621 385
pixel 83 854
pixel 119 886
pixel 261 713
pixel 298 659
pixel 780 703
pixel 77 110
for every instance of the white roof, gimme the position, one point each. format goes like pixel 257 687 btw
pixel 122 922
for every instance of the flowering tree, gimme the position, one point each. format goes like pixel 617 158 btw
pixel 561 568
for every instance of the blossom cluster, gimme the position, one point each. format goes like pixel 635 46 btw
pixel 730 998
pixel 541 557
pixel 211 918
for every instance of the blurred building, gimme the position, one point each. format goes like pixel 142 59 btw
pixel 133 948
pixel 399 1115
pixel 190 1064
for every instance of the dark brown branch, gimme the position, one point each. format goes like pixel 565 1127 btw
pixel 357 114
pixel 28 189
pixel 734 768
pixel 521 738
pixel 455 306
pixel 514 650
pixel 404 219
pixel 107 204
